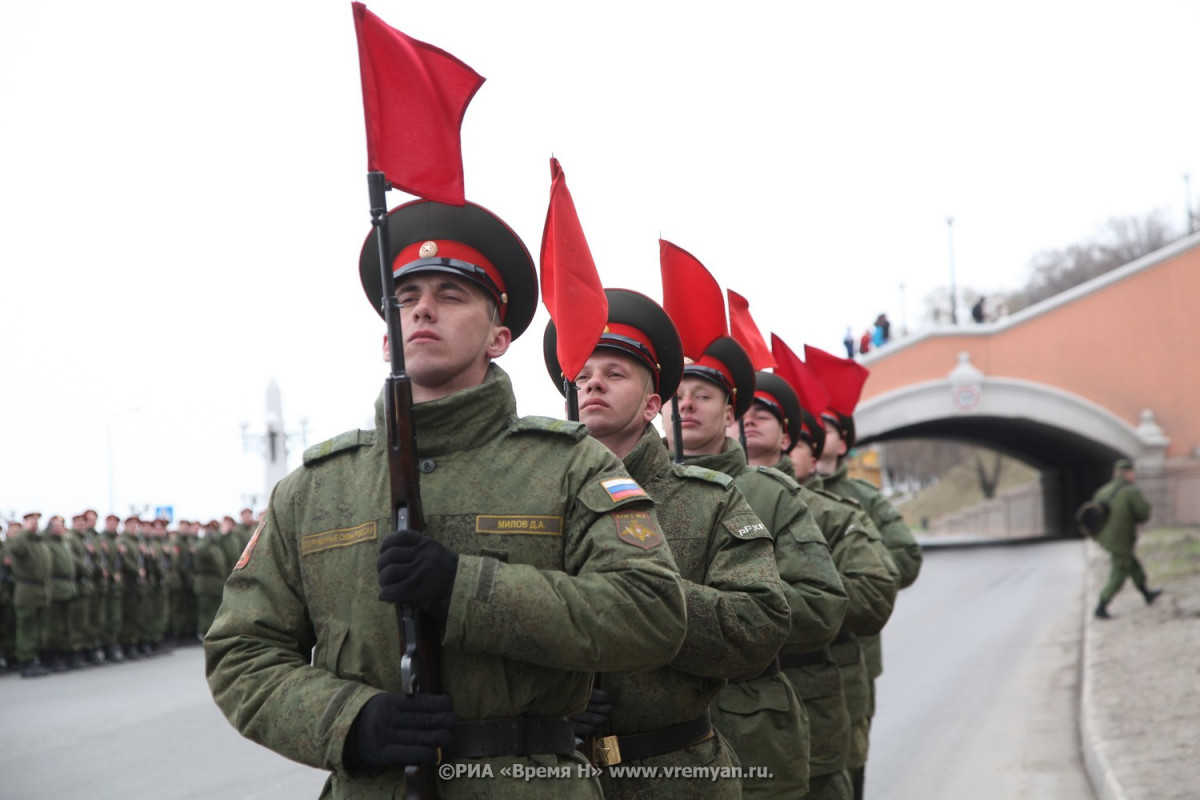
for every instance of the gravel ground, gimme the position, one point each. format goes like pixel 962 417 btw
pixel 1141 693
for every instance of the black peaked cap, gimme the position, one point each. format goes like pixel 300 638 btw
pixel 471 225
pixel 730 353
pixel 789 404
pixel 634 309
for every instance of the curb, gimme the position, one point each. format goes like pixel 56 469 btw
pixel 1095 761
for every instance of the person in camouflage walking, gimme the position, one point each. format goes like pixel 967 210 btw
pixel 1127 507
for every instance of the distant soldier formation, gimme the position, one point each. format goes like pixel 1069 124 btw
pixel 75 597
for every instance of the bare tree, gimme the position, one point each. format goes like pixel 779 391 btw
pixel 988 483
pixel 1120 241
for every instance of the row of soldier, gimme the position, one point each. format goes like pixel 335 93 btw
pixel 600 595
pixel 78 596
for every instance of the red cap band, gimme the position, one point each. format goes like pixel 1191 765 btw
pixel 432 251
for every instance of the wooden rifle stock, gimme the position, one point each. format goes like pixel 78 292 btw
pixel 418 632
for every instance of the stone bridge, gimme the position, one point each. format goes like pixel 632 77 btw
pixel 1109 368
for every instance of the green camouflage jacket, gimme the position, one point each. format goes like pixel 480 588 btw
pixel 763 718
pixel 1127 506
pixel 559 575
pixel 737 615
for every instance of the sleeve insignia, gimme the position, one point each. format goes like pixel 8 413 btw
pixel 622 489
pixel 637 528
pixel 245 559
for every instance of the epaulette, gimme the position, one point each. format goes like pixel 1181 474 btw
pixel 865 483
pixel 703 474
pixel 576 430
pixel 343 441
pixel 785 479
pixel 846 501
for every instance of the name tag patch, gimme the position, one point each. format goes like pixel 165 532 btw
pixel 527 524
pixel 340 537
pixel 637 528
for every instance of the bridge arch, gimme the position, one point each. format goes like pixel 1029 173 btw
pixel 1071 440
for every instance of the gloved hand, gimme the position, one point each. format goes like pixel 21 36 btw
pixel 418 571
pixel 595 716
pixel 395 729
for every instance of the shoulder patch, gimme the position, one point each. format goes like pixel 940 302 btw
pixel 841 499
pixel 746 526
pixel 637 528
pixel 703 474
pixel 865 483
pixel 343 441
pixel 783 478
pixel 563 427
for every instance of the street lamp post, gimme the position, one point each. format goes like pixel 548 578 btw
pixel 953 288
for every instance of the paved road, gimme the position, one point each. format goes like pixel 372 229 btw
pixel 979 700
pixel 980 692
pixel 148 729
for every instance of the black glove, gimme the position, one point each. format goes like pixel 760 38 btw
pixel 415 570
pixel 594 717
pixel 395 729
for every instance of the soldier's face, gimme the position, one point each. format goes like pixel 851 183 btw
pixel 705 413
pixel 765 439
pixel 802 460
pixel 451 333
pixel 616 398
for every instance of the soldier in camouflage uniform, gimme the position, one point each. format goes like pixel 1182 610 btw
pixel 98 619
pixel 211 569
pixel 31 573
pixel 8 615
pixel 833 688
pixel 63 635
pixel 737 614
pixel 109 543
pixel 244 529
pixel 182 627
pixel 83 607
pixel 132 550
pixel 541 559
pixel 230 543
pixel 761 715
pixel 844 378
pixel 1127 507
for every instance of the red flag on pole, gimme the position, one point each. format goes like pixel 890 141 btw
pixel 414 99
pixel 746 333
pixel 571 289
pixel 811 393
pixel 691 298
pixel 843 377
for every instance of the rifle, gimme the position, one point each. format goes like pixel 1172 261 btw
pixel 419 671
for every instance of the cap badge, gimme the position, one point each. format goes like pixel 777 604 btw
pixel 428 250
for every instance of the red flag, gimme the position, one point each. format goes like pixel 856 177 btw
pixel 746 333
pixel 813 395
pixel 571 288
pixel 843 377
pixel 414 99
pixel 691 298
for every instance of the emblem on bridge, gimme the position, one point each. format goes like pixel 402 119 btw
pixel 966 398
pixel 966 385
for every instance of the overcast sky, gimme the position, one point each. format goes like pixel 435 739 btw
pixel 183 197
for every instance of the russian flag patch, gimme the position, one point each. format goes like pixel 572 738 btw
pixel 622 489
